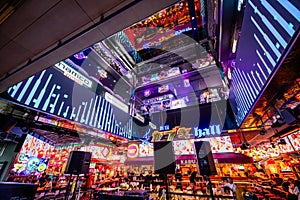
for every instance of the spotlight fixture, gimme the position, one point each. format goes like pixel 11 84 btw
pixel 262 131
pixel 245 145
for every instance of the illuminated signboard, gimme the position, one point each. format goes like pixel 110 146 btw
pixel 98 151
pixel 164 128
pixel 139 117
pixel 209 131
pixel 73 74
pixel 132 150
pixel 183 30
pixel 186 161
pixel 146 150
pixel 295 140
pixel 116 102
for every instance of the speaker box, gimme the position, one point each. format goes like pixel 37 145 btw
pixel 164 159
pixel 205 161
pixel 78 162
pixel 288 116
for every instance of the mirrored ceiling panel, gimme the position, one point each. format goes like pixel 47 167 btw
pixel 161 62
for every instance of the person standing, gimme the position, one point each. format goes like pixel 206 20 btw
pixel 293 190
pixel 42 180
pixel 48 185
pixel 231 186
pixel 278 180
pixel 193 177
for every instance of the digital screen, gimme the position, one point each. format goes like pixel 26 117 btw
pixel 218 145
pixel 33 156
pixel 295 140
pixel 98 151
pixel 183 147
pixel 146 149
pixel 67 94
pixel 34 147
pixel 30 164
pixel 267 31
pixel 284 148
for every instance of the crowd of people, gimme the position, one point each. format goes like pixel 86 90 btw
pixel 187 182
pixel 45 182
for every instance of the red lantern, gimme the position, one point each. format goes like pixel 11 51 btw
pixel 65 153
pixel 41 153
pixel 57 157
pixel 270 162
pixel 48 154
pixel 51 162
pixel 53 153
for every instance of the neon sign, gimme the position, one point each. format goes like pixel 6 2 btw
pixel 182 31
pixel 210 131
pixel 164 128
pixel 133 151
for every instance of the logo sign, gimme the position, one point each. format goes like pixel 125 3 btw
pixel 210 131
pixel 133 151
pixel 116 102
pixel 73 74
pixel 139 117
pixel 164 128
pixel 183 30
pixel 187 162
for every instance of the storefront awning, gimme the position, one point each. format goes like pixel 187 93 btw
pixel 234 158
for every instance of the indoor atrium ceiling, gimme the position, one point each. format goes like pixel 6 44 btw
pixel 37 34
pixel 100 49
pixel 54 32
